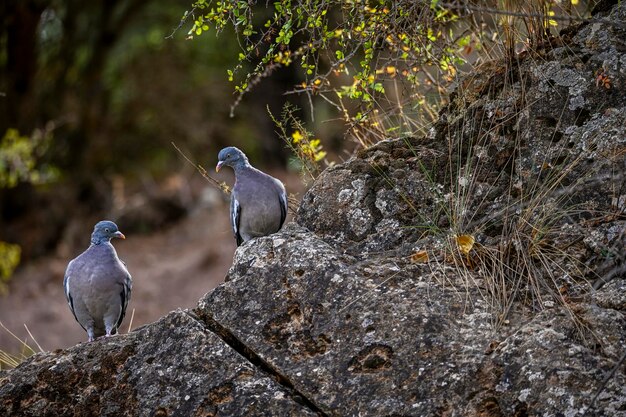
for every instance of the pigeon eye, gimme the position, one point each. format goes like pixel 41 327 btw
pixel 107 230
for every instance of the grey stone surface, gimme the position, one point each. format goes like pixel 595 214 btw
pixel 382 337
pixel 364 338
pixel 174 367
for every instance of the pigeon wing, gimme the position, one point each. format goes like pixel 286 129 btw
pixel 127 288
pixel 235 213
pixel 282 196
pixel 68 293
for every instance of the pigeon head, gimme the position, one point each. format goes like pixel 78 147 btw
pixel 231 157
pixel 104 231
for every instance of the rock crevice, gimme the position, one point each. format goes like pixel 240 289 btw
pixel 257 361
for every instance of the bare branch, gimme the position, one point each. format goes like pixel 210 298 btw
pixel 221 185
pixel 180 25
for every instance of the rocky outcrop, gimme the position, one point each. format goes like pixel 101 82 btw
pixel 368 305
pixel 176 366
pixel 381 337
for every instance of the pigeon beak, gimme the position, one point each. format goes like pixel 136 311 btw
pixel 119 234
pixel 219 166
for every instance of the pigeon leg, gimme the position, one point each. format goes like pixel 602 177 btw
pixel 109 326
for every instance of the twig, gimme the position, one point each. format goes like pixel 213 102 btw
pixel 222 186
pixel 33 337
pixel 182 22
pixel 130 324
pixel 269 69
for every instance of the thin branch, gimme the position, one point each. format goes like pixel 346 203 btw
pixel 130 324
pixel 221 185
pixel 183 20
pixel 33 337
pixel 269 69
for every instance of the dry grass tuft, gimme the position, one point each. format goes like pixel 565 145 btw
pixel 11 360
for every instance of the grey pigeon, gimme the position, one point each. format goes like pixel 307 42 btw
pixel 258 202
pixel 97 284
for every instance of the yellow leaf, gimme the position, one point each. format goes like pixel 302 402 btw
pixel 552 22
pixel 297 136
pixel 319 156
pixel 465 243
pixel 419 257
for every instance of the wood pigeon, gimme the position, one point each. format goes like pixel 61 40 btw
pixel 258 202
pixel 97 284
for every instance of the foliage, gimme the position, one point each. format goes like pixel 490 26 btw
pixel 349 53
pixel 94 91
pixel 9 259
pixel 18 159
pixel 307 150
pixel 385 67
pixel 18 163
pixel 117 91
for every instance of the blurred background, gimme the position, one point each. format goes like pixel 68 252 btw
pixel 91 95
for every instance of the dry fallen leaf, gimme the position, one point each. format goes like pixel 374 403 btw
pixel 419 257
pixel 465 243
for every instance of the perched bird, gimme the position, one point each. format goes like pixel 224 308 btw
pixel 258 202
pixel 97 284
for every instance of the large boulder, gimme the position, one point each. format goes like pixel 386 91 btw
pixel 174 367
pixel 384 337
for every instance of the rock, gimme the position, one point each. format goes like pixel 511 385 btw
pixel 174 367
pixel 383 337
pixel 551 367
pixel 355 338
pixel 374 201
